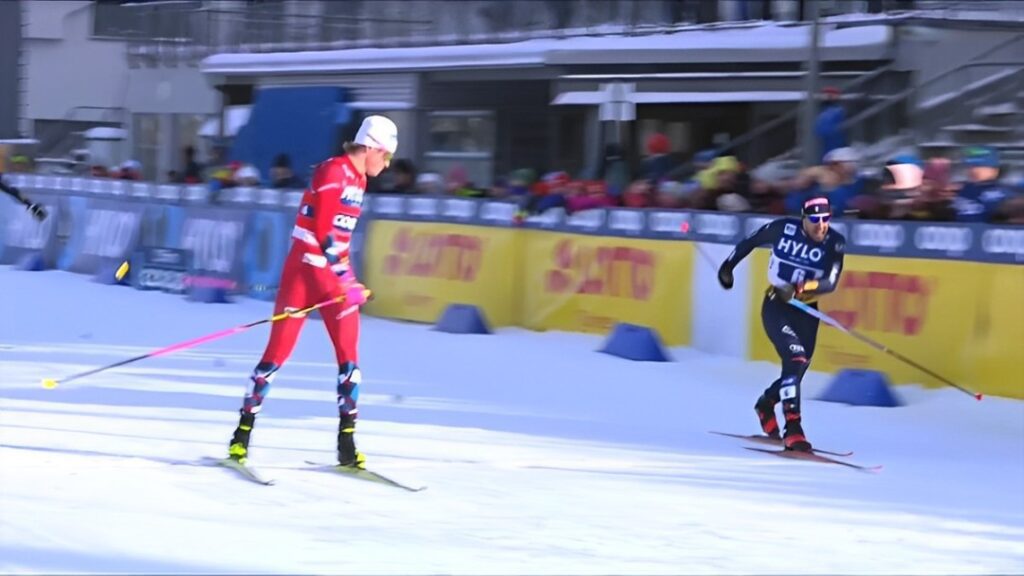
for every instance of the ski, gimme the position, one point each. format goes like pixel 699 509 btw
pixel 363 474
pixel 763 439
pixel 243 470
pixel 811 457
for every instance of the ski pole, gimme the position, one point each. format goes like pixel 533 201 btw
pixel 878 346
pixel 52 383
pixel 685 228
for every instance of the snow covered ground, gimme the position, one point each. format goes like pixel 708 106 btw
pixel 541 456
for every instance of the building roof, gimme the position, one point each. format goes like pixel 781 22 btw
pixel 752 42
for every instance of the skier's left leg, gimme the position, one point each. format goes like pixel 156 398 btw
pixel 342 324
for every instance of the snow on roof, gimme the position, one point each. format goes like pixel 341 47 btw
pixel 679 46
pixel 599 97
pixel 105 133
pixel 237 117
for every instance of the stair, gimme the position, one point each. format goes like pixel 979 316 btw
pixel 997 124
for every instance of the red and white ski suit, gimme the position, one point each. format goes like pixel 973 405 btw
pixel 318 267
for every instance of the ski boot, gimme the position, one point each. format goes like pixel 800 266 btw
pixel 348 456
pixel 238 450
pixel 794 438
pixel 765 409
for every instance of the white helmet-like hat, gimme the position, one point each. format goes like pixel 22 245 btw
pixel 378 132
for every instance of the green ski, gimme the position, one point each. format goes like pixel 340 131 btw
pixel 363 474
pixel 243 470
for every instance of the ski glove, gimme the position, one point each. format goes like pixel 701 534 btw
pixel 725 276
pixel 38 211
pixel 355 293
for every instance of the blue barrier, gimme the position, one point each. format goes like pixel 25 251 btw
pixel 32 262
pixel 107 274
pixel 161 225
pixel 209 295
pixel 463 319
pixel 860 388
pixel 634 342
pixel 267 242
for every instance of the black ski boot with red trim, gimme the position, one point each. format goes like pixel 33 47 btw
pixel 794 438
pixel 765 409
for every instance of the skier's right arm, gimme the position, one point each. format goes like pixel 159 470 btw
pixel 764 235
pixel 327 183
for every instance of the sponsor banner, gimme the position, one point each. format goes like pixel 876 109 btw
pixel 960 319
pixel 104 232
pixel 627 222
pixel 160 268
pixel 719 227
pixel 267 240
pixel 1001 244
pixel 587 283
pixel 215 240
pixel 24 235
pixel 417 269
pixel 980 242
pixel 492 213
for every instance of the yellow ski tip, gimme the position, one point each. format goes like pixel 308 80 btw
pixel 121 270
pixel 49 383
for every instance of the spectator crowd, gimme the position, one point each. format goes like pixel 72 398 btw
pixel 968 186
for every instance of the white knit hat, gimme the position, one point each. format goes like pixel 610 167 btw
pixel 378 132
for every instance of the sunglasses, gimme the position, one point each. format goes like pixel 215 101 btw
pixel 818 218
pixel 387 155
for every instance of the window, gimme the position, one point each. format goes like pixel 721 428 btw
pixel 112 20
pixel 146 143
pixel 464 139
pixel 149 20
pixel 461 132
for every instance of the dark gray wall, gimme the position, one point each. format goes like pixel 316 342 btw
pixel 10 74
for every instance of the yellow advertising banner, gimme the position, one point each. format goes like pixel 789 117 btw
pixel 963 320
pixel 416 269
pixel 582 283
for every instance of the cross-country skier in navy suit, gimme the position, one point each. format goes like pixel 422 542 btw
pixel 37 210
pixel 806 262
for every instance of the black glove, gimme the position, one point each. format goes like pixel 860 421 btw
pixel 38 212
pixel 725 276
pixel 785 292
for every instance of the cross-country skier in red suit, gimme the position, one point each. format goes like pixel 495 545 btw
pixel 318 269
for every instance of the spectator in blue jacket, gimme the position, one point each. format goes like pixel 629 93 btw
pixel 980 197
pixel 839 180
pixel 829 126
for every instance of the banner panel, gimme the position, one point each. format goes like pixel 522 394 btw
pixel 164 269
pixel 104 232
pixel 215 239
pixel 960 319
pixel 416 269
pixel 585 283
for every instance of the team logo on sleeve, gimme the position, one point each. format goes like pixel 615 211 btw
pixel 352 196
pixel 790 230
pixel 346 223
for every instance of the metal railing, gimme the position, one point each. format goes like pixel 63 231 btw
pixel 961 88
pixel 794 113
pixel 975 90
pixel 59 139
pixel 292 26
